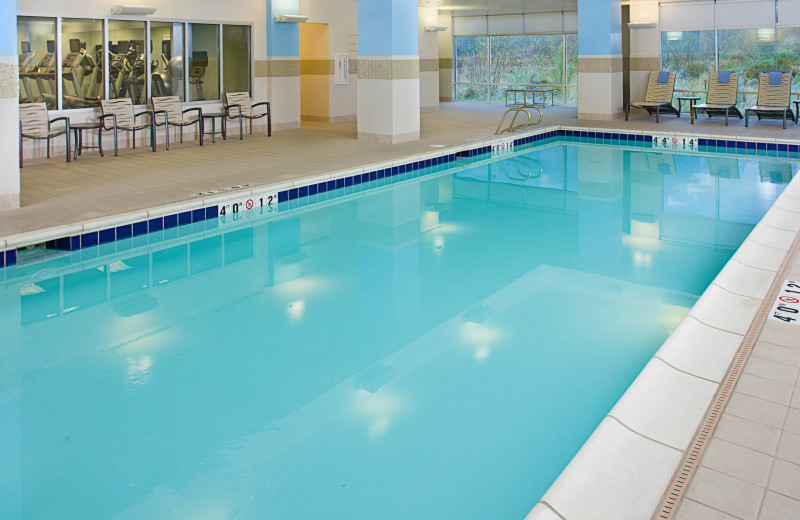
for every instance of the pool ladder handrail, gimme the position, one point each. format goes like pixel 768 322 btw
pixel 511 128
pixel 526 163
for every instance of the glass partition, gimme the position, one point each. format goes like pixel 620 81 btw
pixel 37 60
pixel 236 58
pixel 81 62
pixel 203 57
pixel 471 68
pixel 166 58
pixel 691 55
pixel 126 61
pixel 534 59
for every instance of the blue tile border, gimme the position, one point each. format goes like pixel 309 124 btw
pixel 319 191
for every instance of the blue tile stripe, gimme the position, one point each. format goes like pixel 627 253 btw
pixel 125 231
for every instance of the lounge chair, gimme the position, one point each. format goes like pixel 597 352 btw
pixel 34 123
pixel 774 93
pixel 122 117
pixel 175 115
pixel 237 105
pixel 723 87
pixel 658 99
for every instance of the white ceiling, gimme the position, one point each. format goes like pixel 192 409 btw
pixel 479 7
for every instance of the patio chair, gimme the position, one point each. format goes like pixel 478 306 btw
pixel 774 93
pixel 237 105
pixel 175 115
pixel 34 123
pixel 118 114
pixel 658 99
pixel 723 87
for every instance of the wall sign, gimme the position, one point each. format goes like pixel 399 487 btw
pixel 787 305
pixel 675 142
pixel 342 68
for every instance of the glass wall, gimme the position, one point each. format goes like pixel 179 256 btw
pixel 166 58
pixel 203 67
pixel 488 65
pixel 82 76
pixel 94 69
pixel 236 58
pixel 36 38
pixel 127 61
pixel 691 54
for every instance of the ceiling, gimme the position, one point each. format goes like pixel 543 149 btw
pixel 482 7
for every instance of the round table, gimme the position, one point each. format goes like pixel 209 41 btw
pixel 77 136
pixel 691 99
pixel 213 116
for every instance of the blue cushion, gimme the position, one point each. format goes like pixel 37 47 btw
pixel 663 76
pixel 775 78
pixel 724 77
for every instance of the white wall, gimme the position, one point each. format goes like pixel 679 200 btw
pixel 428 52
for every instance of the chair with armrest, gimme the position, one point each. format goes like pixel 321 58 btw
pixel 658 99
pixel 118 114
pixel 34 123
pixel 774 95
pixel 237 105
pixel 723 87
pixel 169 111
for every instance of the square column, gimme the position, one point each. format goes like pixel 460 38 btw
pixel 599 59
pixel 282 67
pixel 388 71
pixel 9 108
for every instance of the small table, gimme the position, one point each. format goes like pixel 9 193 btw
pixel 77 136
pixel 533 92
pixel 692 101
pixel 796 108
pixel 213 116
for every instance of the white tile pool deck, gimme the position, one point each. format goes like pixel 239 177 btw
pixel 751 467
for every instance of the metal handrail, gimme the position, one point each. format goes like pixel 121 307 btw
pixel 511 128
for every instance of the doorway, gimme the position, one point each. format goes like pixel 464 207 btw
pixel 315 72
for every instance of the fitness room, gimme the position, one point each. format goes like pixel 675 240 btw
pixel 102 55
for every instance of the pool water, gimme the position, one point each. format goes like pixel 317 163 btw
pixel 434 348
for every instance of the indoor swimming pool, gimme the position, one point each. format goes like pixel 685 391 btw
pixel 431 348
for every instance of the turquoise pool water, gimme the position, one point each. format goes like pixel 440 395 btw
pixel 436 348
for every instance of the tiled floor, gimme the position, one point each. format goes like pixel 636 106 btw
pixel 751 468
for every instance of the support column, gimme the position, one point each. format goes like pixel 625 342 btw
pixel 283 65
pixel 645 48
pixel 388 71
pixel 9 107
pixel 599 59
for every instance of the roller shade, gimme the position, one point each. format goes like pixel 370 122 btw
pixel 505 24
pixel 469 25
pixel 740 14
pixel 686 16
pixel 544 23
pixel 570 22
pixel 789 14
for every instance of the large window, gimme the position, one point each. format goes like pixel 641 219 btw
pixel 81 48
pixel 488 65
pixel 137 60
pixel 203 67
pixel 691 54
pixel 36 38
pixel 236 58
pixel 752 51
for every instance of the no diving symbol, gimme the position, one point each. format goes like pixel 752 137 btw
pixel 249 204
pixel 674 140
pixel 789 299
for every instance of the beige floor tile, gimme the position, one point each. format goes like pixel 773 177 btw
pixel 737 461
pixel 780 334
pixel 785 479
pixel 789 448
pixel 777 353
pixel 756 410
pixel 748 434
pixel 691 510
pixel 779 507
pixel 793 421
pixel 771 370
pixel 766 389
pixel 725 493
pixel 795 402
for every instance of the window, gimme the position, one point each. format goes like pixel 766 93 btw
pixel 203 67
pixel 36 38
pixel 534 59
pixel 166 58
pixel 81 48
pixel 236 58
pixel 127 61
pixel 691 54
pixel 471 68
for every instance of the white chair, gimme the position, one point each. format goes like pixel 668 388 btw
pixel 237 105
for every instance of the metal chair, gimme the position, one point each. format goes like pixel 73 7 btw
pixel 175 115
pixel 120 113
pixel 34 123
pixel 237 105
